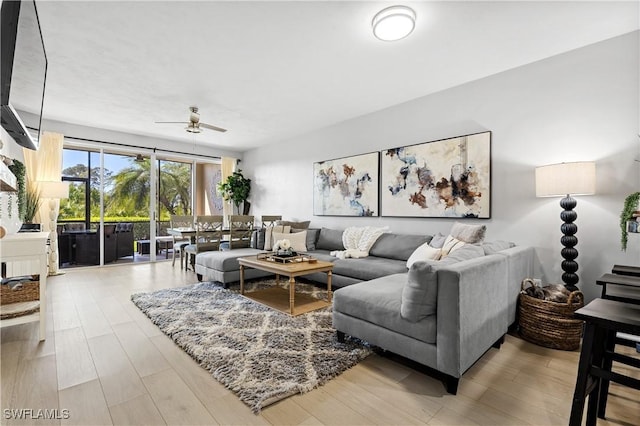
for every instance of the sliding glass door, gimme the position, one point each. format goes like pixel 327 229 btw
pixel 120 204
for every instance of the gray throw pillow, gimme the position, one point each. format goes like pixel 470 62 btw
pixel 420 293
pixel 468 233
pixel 438 240
pixel 312 237
pixel 257 239
pixel 493 247
pixel 466 252
pixel 330 239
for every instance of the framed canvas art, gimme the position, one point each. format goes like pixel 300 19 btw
pixel 444 178
pixel 347 186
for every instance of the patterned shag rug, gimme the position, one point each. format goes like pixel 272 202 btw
pixel 260 354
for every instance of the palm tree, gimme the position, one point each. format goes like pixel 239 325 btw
pixel 131 189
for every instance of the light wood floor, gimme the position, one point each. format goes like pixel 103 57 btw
pixel 106 363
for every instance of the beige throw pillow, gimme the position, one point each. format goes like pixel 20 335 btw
pixel 468 233
pixel 424 252
pixel 268 237
pixel 298 240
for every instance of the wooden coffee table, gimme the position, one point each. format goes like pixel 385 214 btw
pixel 275 297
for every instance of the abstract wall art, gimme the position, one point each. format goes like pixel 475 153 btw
pixel 347 186
pixel 444 178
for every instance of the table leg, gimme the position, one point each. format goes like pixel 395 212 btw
pixel 607 363
pixel 241 279
pixel 277 279
pixel 292 292
pixel 329 293
pixel 580 392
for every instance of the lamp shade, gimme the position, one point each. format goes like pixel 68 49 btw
pixel 566 179
pixel 54 190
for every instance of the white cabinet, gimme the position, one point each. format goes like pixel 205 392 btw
pixel 26 253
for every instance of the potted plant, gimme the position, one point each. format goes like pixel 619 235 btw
pixel 630 207
pixel 31 205
pixel 235 188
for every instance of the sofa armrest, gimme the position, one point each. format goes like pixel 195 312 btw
pixel 472 311
pixel 521 263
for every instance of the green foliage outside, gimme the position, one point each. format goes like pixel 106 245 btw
pixel 127 193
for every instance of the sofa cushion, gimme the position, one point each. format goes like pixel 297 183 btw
pixel 368 268
pixel 420 294
pixel 468 233
pixel 378 302
pixel 493 247
pixel 330 239
pixel 224 260
pixel 397 246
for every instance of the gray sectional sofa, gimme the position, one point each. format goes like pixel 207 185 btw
pixel 441 314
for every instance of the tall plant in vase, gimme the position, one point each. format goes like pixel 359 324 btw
pixel 235 188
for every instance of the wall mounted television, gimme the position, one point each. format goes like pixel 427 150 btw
pixel 23 70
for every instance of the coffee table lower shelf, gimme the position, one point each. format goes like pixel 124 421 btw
pixel 278 298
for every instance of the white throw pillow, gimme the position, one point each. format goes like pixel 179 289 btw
pixel 451 244
pixel 424 252
pixel 268 237
pixel 298 240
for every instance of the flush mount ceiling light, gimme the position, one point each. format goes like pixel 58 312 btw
pixel 394 23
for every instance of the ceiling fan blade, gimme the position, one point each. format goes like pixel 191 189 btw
pixel 172 122
pixel 209 126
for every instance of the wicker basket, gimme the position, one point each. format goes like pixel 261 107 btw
pixel 550 324
pixel 29 292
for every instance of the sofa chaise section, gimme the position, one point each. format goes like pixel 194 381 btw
pixel 471 315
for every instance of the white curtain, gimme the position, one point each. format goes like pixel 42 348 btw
pixel 45 165
pixel 228 166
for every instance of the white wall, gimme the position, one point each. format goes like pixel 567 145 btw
pixel 582 105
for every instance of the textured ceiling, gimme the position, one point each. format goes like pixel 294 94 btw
pixel 268 71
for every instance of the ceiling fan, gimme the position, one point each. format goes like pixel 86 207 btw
pixel 194 125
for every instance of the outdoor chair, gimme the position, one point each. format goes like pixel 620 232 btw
pixel 240 229
pixel 208 237
pixel 124 239
pixel 88 246
pixel 179 243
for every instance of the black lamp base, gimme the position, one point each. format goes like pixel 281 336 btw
pixel 569 241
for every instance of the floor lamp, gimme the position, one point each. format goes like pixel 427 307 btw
pixel 53 191
pixel 566 179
